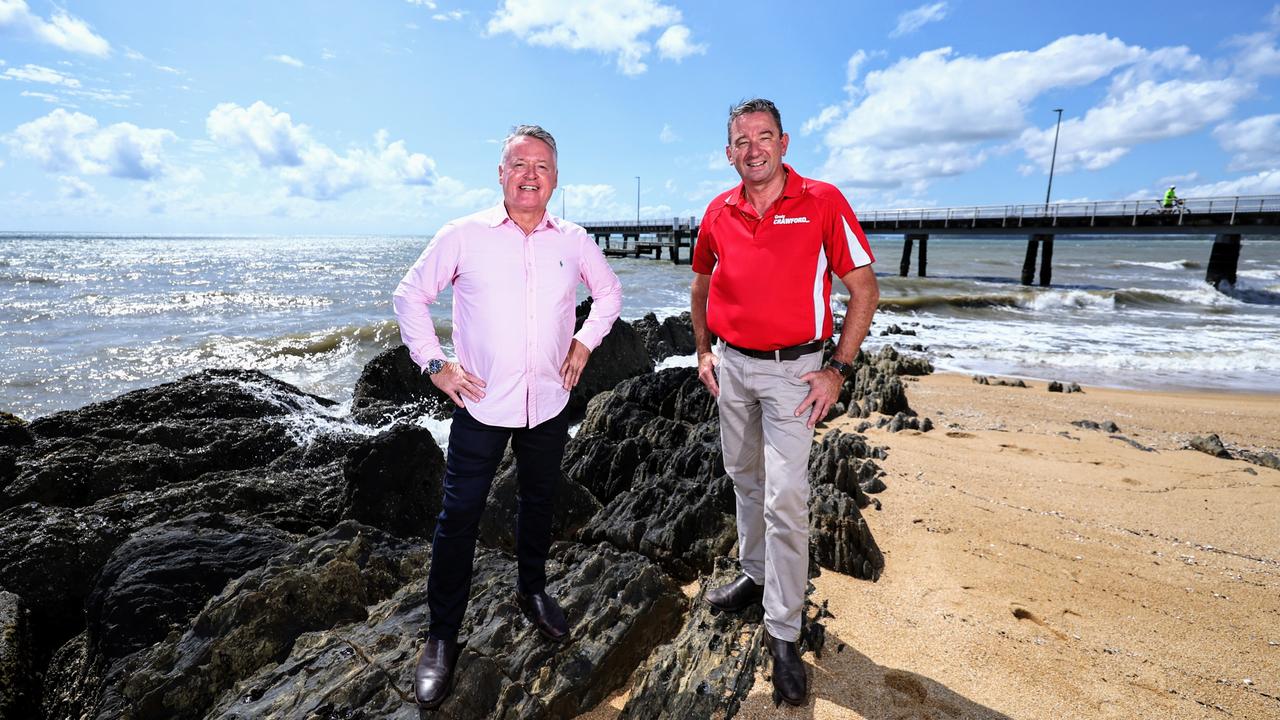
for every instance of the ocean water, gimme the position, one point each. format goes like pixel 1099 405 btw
pixel 86 317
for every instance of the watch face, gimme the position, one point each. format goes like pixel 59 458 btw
pixel 434 366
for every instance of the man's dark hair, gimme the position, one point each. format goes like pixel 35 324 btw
pixel 751 106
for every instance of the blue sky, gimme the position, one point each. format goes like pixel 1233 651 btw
pixel 385 117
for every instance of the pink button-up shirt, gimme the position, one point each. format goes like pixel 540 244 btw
pixel 513 308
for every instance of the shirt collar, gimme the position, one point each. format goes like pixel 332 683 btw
pixel 794 187
pixel 497 215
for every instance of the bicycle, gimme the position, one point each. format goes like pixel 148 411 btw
pixel 1179 207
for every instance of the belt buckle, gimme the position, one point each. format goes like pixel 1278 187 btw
pixel 777 355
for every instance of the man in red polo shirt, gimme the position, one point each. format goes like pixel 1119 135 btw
pixel 763 263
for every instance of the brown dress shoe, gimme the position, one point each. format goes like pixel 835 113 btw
pixel 545 614
pixel 433 678
pixel 735 596
pixel 789 680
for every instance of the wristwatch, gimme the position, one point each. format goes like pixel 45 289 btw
pixel 434 366
pixel 844 368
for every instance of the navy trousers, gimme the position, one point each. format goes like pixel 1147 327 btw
pixel 475 449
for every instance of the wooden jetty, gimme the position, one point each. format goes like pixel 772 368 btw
pixel 1228 219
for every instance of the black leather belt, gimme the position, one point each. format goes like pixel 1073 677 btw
pixel 794 352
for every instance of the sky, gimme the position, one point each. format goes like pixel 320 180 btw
pixel 387 116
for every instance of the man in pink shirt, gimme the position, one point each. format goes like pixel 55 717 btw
pixel 515 271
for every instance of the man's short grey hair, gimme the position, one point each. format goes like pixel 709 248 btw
pixel 751 106
pixel 533 131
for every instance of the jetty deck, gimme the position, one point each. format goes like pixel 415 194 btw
pixel 1228 219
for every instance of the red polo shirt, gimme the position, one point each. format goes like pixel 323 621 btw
pixel 771 275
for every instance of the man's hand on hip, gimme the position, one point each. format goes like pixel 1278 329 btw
pixel 571 368
pixel 458 384
pixel 707 362
pixel 824 390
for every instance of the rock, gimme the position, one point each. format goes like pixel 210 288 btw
pixel 619 608
pixel 231 442
pixel 1210 445
pixel 1055 386
pixel 672 336
pixel 1133 442
pixel 258 620
pixel 926 425
pixel 621 355
pixel 18 682
pixel 839 537
pixel 392 386
pixel 13 430
pixel 394 482
pixel 574 506
pixel 982 379
pixel 896 330
pixel 844 461
pixel 153 583
pixel 1106 426
pixel 1073 388
pixel 1265 459
pixel 708 669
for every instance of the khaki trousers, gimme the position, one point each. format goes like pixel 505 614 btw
pixel 766 452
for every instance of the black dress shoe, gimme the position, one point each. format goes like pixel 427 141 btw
pixel 789 679
pixel 545 614
pixel 433 678
pixel 740 594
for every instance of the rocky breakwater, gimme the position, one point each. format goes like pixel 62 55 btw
pixel 227 546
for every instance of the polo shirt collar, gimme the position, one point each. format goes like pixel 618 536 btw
pixel 794 187
pixel 497 215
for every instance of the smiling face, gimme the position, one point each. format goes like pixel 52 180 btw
pixel 527 175
pixel 756 147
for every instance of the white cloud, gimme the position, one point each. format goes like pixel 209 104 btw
pixel 133 54
pixel 268 133
pixel 62 30
pixel 71 141
pixel 1128 116
pixel 912 20
pixel 822 120
pixel 929 116
pixel 38 74
pixel 667 135
pixel 608 27
pixel 41 96
pixel 1255 142
pixel 450 15
pixel 1266 182
pixel 675 43
pixel 1184 178
pixel 73 188
pixel 428 4
pixel 327 54
pixel 287 60
pixel 310 168
pixel 411 26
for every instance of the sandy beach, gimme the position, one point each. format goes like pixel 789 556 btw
pixel 1036 569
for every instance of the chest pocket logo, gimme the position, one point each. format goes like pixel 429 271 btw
pixel 784 220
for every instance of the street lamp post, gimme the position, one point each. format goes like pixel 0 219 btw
pixel 1053 161
pixel 563 192
pixel 637 206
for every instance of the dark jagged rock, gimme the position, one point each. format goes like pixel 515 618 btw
pixel 1265 459
pixel 708 669
pixel 1105 426
pixel 984 380
pixel 223 442
pixel 619 608
pixel 216 420
pixel 392 386
pixel 1133 442
pixel 574 507
pixel 18 682
pixel 845 461
pixel 153 583
pixel 1210 445
pixel 13 430
pixel 896 330
pixel 325 581
pixel 393 481
pixel 839 537
pixel 621 355
pixel 1073 388
pixel 672 336
pixel 650 453
pixel 1055 387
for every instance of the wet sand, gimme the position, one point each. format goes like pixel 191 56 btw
pixel 1035 569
